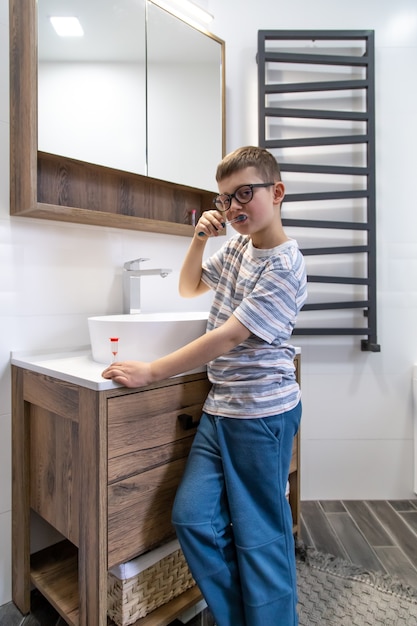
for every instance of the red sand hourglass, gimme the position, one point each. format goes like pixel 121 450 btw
pixel 114 344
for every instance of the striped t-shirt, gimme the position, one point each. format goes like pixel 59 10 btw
pixel 264 289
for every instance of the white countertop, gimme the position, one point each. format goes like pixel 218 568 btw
pixel 73 366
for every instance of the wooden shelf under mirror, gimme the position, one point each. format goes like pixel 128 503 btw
pixel 115 198
pixel 50 186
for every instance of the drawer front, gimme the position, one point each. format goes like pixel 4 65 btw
pixel 150 418
pixel 144 430
pixel 139 511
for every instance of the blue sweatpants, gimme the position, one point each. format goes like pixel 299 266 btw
pixel 233 521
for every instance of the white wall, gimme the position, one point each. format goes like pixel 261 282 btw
pixel 357 424
pixel 357 421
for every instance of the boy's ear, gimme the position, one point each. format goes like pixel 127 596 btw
pixel 279 192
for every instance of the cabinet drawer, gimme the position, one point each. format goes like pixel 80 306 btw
pixel 139 511
pixel 144 430
pixel 147 419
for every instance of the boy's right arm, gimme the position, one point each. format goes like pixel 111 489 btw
pixel 190 283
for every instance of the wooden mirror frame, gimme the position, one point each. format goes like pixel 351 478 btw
pixel 53 187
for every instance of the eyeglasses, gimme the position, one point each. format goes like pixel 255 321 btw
pixel 243 195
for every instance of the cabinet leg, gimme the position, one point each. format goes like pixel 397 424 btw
pixel 92 557
pixel 20 496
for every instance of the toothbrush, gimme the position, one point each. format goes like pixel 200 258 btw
pixel 239 218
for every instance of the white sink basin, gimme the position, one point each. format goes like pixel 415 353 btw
pixel 143 336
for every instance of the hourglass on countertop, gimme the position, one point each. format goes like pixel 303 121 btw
pixel 114 344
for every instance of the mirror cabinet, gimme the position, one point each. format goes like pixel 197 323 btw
pixel 90 145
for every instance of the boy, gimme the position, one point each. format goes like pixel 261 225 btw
pixel 230 512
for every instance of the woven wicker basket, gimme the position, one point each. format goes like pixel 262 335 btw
pixel 134 597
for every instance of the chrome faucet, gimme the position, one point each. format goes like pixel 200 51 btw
pixel 132 274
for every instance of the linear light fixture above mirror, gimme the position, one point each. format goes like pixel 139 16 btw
pixel 186 10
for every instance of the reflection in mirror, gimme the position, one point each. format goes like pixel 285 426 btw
pixel 184 101
pixel 99 100
pixel 92 89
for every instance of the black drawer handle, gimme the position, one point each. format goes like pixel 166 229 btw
pixel 186 421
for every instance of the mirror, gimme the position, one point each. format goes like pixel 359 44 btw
pixel 165 126
pixel 184 101
pixel 92 89
pixel 140 91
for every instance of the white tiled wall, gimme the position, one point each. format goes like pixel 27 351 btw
pixel 357 420
pixel 357 424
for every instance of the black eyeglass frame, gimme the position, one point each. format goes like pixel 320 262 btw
pixel 230 196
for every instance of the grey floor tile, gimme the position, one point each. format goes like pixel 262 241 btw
pixel 388 529
pixel 368 524
pixel 410 517
pixel 393 523
pixel 332 506
pixel 357 548
pixel 397 564
pixel 10 615
pixel 42 613
pixel 320 530
pixel 403 505
pixel 304 534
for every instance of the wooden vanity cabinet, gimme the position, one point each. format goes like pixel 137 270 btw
pixel 102 468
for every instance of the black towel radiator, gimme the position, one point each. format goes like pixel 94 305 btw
pixel 335 67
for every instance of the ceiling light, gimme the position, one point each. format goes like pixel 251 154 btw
pixel 67 26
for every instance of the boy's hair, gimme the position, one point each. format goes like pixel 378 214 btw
pixel 250 156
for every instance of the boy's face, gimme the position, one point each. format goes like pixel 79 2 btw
pixel 261 212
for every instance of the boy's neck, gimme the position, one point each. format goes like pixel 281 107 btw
pixel 268 239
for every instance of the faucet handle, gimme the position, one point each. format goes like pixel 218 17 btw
pixel 135 264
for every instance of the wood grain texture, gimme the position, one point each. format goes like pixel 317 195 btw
pixel 92 553
pixel 139 511
pixel 51 394
pixel 54 471
pixel 23 106
pixel 54 571
pixel 149 419
pixel 20 496
pixel 72 183
pixel 122 467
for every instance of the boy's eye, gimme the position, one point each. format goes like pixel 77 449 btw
pixel 244 193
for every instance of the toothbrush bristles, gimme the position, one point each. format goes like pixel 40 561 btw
pixel 239 218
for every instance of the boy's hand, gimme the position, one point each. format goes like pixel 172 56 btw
pixel 129 373
pixel 210 224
